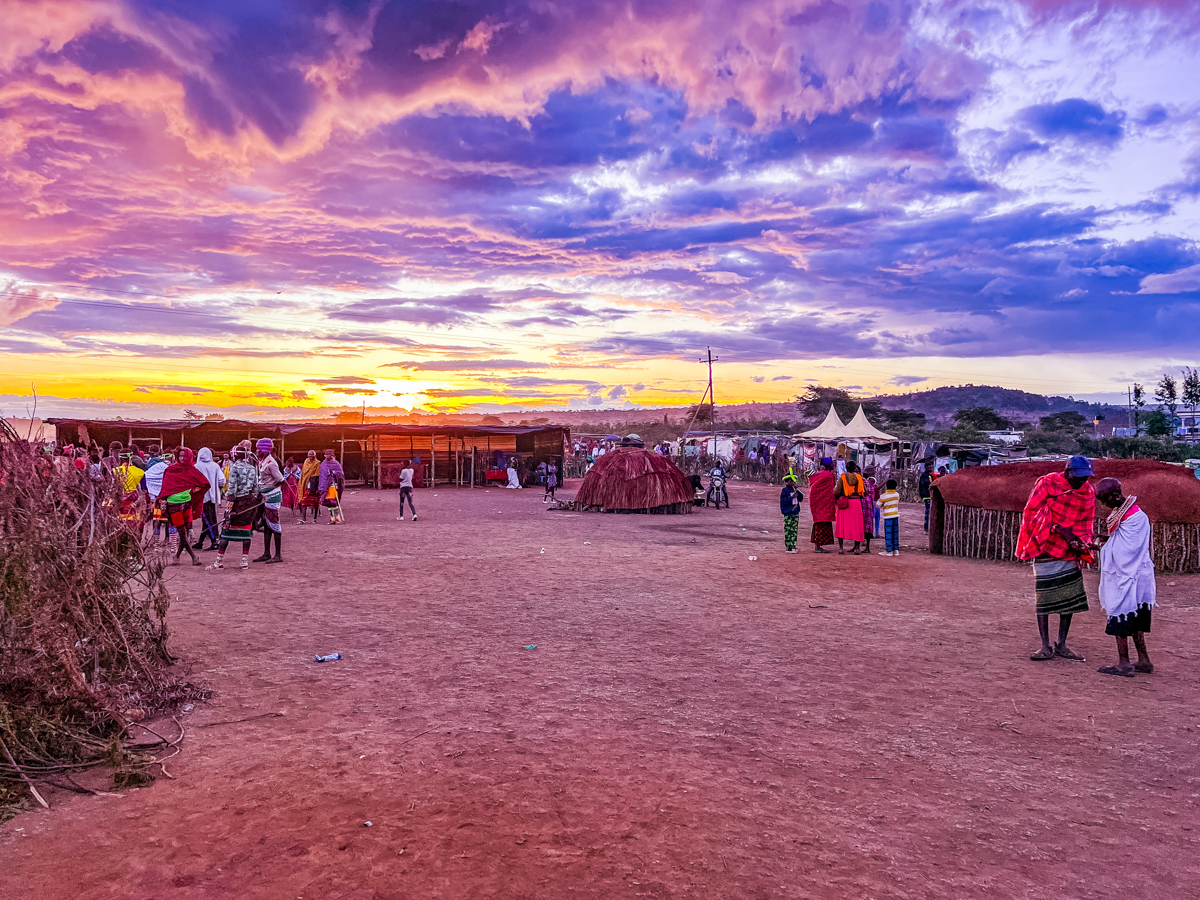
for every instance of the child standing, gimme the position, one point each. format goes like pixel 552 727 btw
pixel 789 505
pixel 551 482
pixel 889 504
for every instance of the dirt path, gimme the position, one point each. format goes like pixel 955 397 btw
pixel 690 724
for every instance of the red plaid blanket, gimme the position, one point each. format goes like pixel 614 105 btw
pixel 1053 502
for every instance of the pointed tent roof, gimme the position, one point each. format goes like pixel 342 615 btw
pixel 860 429
pixel 829 430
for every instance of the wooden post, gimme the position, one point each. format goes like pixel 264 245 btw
pixel 472 464
pixel 432 460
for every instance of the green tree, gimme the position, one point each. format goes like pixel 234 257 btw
pixel 1157 424
pixel 1189 396
pixel 1138 400
pixel 982 418
pixel 702 412
pixel 1167 395
pixel 905 423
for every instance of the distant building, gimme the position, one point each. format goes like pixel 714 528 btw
pixel 1007 436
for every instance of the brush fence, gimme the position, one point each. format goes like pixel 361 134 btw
pixel 992 534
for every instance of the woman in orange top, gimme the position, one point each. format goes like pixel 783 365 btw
pixel 848 523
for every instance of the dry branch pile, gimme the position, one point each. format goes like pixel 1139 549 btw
pixel 82 624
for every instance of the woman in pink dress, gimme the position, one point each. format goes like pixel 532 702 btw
pixel 848 523
pixel 291 484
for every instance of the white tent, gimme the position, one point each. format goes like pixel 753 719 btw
pixel 861 430
pixel 831 429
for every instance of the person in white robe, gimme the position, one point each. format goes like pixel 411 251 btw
pixel 1127 588
pixel 513 480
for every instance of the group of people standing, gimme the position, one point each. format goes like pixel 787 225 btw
pixel 844 507
pixel 172 489
pixel 1057 537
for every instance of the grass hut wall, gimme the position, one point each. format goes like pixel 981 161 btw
pixel 976 512
pixel 629 479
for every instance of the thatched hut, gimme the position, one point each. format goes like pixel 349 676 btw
pixel 630 479
pixel 977 512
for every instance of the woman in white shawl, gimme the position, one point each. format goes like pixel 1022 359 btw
pixel 513 480
pixel 1127 590
pixel 216 483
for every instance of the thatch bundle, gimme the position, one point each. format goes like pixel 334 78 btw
pixel 629 479
pixel 82 622
pixel 977 512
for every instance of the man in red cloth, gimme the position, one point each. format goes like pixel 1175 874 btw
pixel 821 504
pixel 1056 531
pixel 183 490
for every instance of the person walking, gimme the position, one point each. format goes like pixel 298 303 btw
pixel 310 482
pixel 270 487
pixel 291 485
pixel 241 507
pixel 889 505
pixel 1056 531
pixel 1127 587
pixel 789 504
pixel 332 483
pixel 924 494
pixel 551 482
pixel 822 505
pixel 406 491
pixel 182 495
pixel 216 483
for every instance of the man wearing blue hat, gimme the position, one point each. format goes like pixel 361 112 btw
pixel 1056 534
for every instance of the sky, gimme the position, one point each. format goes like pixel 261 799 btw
pixel 280 208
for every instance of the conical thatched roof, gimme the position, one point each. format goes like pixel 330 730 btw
pixel 634 479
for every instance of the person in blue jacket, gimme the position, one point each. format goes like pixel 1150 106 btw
pixel 789 504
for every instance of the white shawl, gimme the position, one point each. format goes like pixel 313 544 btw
pixel 1126 569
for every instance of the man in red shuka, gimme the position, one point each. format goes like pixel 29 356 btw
pixel 821 504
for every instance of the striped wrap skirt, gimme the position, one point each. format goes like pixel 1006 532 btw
pixel 1059 586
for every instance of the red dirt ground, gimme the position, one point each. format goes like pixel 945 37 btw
pixel 691 724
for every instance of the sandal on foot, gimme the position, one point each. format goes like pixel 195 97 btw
pixel 1042 655
pixel 1065 653
pixel 1115 670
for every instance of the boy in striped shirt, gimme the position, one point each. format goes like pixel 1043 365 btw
pixel 889 503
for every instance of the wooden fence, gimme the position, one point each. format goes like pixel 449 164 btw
pixel 992 534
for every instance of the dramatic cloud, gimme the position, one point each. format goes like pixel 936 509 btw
pixel 290 193
pixel 1184 281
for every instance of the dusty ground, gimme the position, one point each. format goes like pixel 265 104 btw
pixel 691 724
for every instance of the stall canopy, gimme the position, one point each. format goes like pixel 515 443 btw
pixel 830 430
pixel 858 429
pixel 862 430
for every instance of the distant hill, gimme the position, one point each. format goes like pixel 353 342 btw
pixel 940 404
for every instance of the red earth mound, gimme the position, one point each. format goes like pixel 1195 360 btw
pixel 1166 493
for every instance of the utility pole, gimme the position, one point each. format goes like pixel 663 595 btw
pixel 1129 395
pixel 712 406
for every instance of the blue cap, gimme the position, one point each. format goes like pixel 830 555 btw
pixel 1080 466
pixel 826 460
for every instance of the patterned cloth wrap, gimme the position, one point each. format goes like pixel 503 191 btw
pixel 1059 585
pixel 240 518
pixel 272 501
